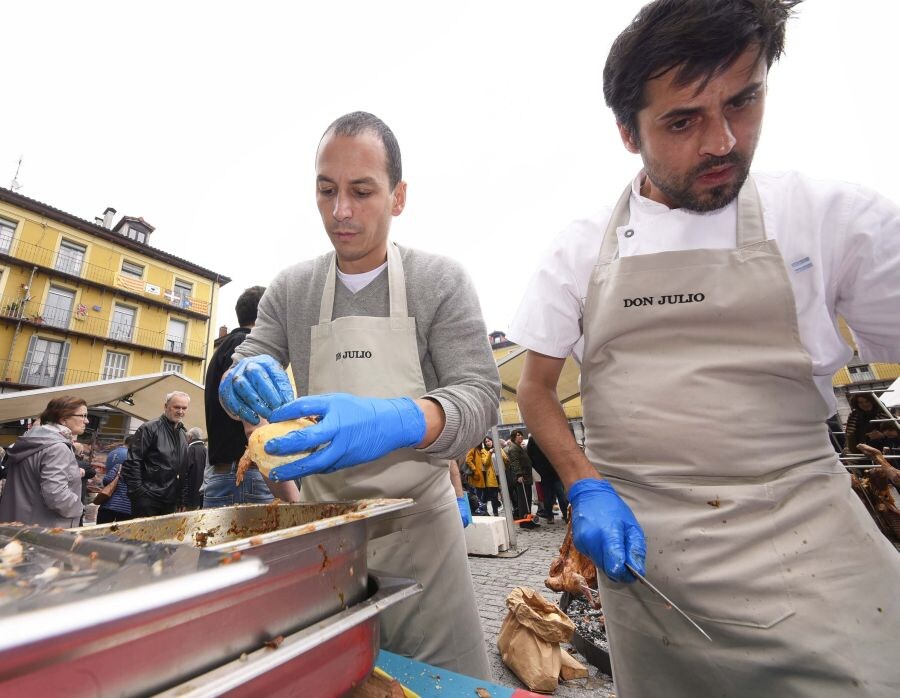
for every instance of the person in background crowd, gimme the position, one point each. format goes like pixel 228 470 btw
pixel 84 457
pixel 887 440
pixel 836 433
pixel 44 481
pixel 191 498
pixel 522 479
pixel 117 507
pixel 554 490
pixel 227 437
pixel 859 422
pixel 484 479
pixel 157 459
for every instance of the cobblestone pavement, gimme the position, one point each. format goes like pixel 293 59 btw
pixel 495 577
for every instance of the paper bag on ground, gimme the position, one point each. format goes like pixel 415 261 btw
pixel 529 639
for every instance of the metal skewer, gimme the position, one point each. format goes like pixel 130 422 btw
pixel 665 598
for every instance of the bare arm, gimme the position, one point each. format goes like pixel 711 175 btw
pixel 286 491
pixel 546 420
pixel 455 479
pixel 434 422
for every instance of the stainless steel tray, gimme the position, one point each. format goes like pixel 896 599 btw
pixel 315 553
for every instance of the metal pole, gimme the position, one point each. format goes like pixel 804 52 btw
pixel 500 470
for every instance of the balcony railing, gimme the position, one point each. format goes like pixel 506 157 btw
pixel 77 319
pixel 13 372
pixel 69 263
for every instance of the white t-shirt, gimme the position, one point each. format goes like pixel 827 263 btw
pixel 357 282
pixel 841 248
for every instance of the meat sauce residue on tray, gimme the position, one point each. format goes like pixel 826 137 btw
pixel 269 522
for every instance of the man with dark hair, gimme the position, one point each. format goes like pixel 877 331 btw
pixel 388 347
pixel 227 437
pixel 704 289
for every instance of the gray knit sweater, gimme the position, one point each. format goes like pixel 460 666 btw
pixel 457 363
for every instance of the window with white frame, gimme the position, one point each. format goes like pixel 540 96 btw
pixel 172 367
pixel 175 335
pixel 7 230
pixel 183 292
pixel 70 257
pixel 861 373
pixel 135 234
pixel 136 271
pixel 58 309
pixel 115 365
pixel 45 362
pixel 122 326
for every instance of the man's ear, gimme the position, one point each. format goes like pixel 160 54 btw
pixel 629 139
pixel 399 195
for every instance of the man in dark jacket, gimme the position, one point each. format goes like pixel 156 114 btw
pixel 191 496
pixel 522 479
pixel 227 440
pixel 157 460
pixel 550 482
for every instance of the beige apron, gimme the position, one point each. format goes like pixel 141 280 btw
pixel 701 410
pixel 378 357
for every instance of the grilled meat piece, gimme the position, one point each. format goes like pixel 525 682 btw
pixel 572 571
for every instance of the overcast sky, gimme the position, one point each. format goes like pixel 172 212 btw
pixel 203 117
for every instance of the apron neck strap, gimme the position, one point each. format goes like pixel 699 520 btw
pixel 396 286
pixel 750 226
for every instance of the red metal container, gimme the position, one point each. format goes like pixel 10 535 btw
pixel 117 639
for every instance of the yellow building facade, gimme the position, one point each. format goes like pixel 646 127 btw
pixel 83 301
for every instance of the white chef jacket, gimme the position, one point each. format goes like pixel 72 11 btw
pixel 841 248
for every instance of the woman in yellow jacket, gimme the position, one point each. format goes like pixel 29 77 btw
pixel 482 476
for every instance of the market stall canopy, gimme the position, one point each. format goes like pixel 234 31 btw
pixel 139 396
pixel 891 396
pixel 511 365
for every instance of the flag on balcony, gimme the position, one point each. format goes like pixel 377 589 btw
pixel 150 288
pixel 199 306
pixel 129 283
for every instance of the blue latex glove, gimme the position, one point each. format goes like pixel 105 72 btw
pixel 359 430
pixel 465 511
pixel 604 529
pixel 255 387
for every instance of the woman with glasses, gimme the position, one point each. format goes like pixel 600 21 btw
pixel 43 477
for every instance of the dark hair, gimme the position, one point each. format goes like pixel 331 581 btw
pixel 358 122
pixel 247 304
pixel 516 432
pixel 60 408
pixel 696 38
pixel 854 400
pixel 485 440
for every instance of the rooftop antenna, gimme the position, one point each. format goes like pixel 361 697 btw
pixel 14 185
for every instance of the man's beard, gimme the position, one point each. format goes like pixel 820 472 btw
pixel 678 188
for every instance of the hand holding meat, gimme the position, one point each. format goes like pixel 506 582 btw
pixel 356 429
pixel 604 529
pixel 254 387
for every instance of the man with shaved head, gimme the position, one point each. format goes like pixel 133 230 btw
pixel 157 459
